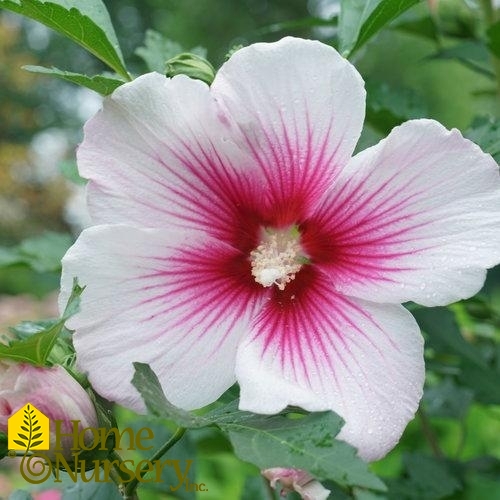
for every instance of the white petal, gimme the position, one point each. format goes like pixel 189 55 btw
pixel 158 297
pixel 300 107
pixel 326 351
pixel 157 155
pixel 416 217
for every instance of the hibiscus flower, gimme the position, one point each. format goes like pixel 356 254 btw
pixel 236 239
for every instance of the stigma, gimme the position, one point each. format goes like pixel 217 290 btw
pixel 278 258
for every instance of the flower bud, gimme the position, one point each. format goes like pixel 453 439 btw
pixel 191 65
pixel 54 392
pixel 296 480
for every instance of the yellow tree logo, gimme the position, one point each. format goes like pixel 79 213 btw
pixel 28 430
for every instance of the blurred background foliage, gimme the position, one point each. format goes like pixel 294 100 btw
pixel 436 61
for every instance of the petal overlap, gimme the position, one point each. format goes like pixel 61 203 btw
pixel 415 217
pixel 182 312
pixel 300 108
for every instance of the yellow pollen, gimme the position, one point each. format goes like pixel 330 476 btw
pixel 276 260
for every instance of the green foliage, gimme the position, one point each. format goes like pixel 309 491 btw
pixel 424 478
pixel 37 347
pixel 157 50
pixel 448 399
pixel 69 170
pixel 360 20
pixel 3 445
pixel 303 443
pixel 147 383
pixel 255 487
pixel 286 440
pixel 86 23
pixel 101 84
pixel 387 106
pixel 473 54
pixel 34 349
pixel 41 253
pixel 91 491
pixel 183 451
pixel 493 35
pixel 485 132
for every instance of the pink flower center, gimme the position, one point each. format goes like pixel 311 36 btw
pixel 278 258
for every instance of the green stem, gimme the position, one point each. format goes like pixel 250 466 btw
pixel 129 490
pixel 429 433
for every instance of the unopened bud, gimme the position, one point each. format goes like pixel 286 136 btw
pixel 191 65
pixel 54 392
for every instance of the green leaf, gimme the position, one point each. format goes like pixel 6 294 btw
pixel 69 170
pixel 424 27
pixel 388 106
pixel 255 487
pixel 303 443
pixel 36 348
pixel 157 50
pixel 493 35
pixel 41 253
pixel 483 381
pixel 102 84
pixel 296 24
pixel 485 132
pixel 353 13
pixel 85 22
pixel 73 305
pixel 447 399
pixel 4 449
pixel 475 371
pixel 26 329
pixel 91 491
pixel 148 385
pixel 183 450
pixel 472 54
pixel 361 19
pixel 444 335
pixel 427 478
